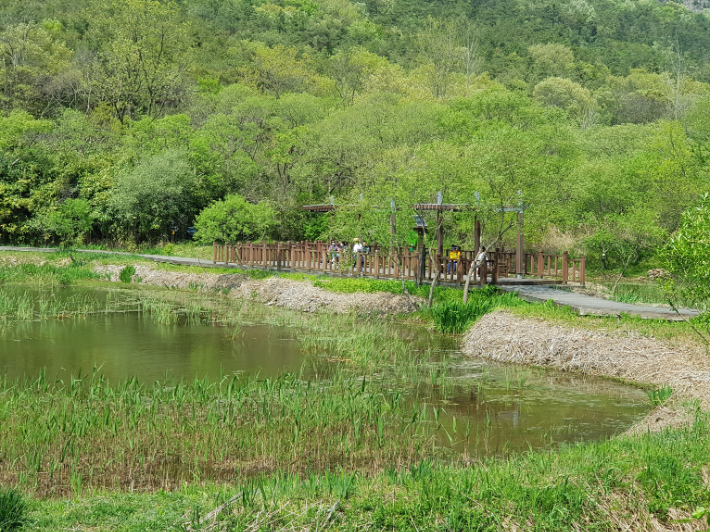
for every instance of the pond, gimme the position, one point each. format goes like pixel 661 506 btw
pixel 472 404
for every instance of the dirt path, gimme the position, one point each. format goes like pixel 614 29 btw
pixel 503 337
pixel 296 295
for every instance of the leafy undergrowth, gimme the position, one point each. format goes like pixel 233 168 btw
pixel 621 483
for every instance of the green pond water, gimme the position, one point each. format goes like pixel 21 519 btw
pixel 506 408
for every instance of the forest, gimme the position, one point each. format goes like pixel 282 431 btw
pixel 124 120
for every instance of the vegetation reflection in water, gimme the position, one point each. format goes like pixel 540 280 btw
pixel 362 394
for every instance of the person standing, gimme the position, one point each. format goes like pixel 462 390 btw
pixel 454 256
pixel 357 248
pixel 333 251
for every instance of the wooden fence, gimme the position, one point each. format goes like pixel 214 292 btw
pixel 314 257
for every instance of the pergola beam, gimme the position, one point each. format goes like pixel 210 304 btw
pixel 439 208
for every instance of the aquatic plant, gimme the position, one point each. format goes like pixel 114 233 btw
pixel 127 273
pixel 659 396
pixel 455 316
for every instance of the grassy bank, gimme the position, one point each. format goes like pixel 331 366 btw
pixel 337 445
pixel 646 482
pixel 58 269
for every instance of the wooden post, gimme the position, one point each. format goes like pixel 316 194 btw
pixel 484 272
pixel 565 267
pixel 520 251
pixel 540 264
pixel 439 234
pixel 582 269
pixel 476 238
pixel 494 273
pixel 393 229
pixel 226 253
pixel 214 252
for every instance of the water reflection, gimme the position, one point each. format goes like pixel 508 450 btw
pixel 478 408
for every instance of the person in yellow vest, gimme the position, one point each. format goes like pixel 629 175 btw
pixel 454 256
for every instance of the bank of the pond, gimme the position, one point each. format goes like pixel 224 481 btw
pixel 287 293
pixel 504 337
pixel 653 482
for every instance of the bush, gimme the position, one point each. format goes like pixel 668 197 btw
pixel 126 274
pixel 13 510
pixel 153 195
pixel 234 219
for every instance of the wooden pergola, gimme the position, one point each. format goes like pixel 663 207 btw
pixel 440 207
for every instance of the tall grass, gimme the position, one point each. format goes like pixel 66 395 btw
pixel 16 307
pixel 624 483
pixel 13 510
pixel 47 273
pixel 454 316
pixel 59 438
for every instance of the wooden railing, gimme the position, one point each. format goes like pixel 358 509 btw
pixel 315 257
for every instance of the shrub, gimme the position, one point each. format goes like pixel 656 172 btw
pixel 153 195
pixel 13 510
pixel 234 219
pixel 126 274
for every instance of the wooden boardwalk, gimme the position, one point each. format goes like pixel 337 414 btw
pixel 595 306
pixel 531 289
pixel 314 257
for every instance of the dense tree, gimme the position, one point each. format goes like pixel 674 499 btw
pixel 135 115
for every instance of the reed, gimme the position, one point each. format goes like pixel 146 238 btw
pixel 601 486
pixel 61 438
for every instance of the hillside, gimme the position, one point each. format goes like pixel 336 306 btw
pixel 122 120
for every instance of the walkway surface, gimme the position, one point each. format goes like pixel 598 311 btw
pixel 583 304
pixel 595 306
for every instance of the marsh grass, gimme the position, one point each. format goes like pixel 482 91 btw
pixel 61 438
pixel 17 307
pixel 659 396
pixel 47 273
pixel 13 510
pixel 598 487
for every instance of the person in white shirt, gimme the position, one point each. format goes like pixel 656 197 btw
pixel 357 248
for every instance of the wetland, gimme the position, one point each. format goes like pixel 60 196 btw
pixel 133 407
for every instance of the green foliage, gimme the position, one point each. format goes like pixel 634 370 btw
pixel 71 221
pixel 13 510
pixel 153 110
pixel 456 316
pixel 659 396
pixel 234 219
pixel 127 273
pixel 687 256
pixel 152 196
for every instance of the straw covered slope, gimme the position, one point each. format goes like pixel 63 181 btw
pixel 295 295
pixel 503 337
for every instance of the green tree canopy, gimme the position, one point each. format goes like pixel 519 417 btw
pixel 234 219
